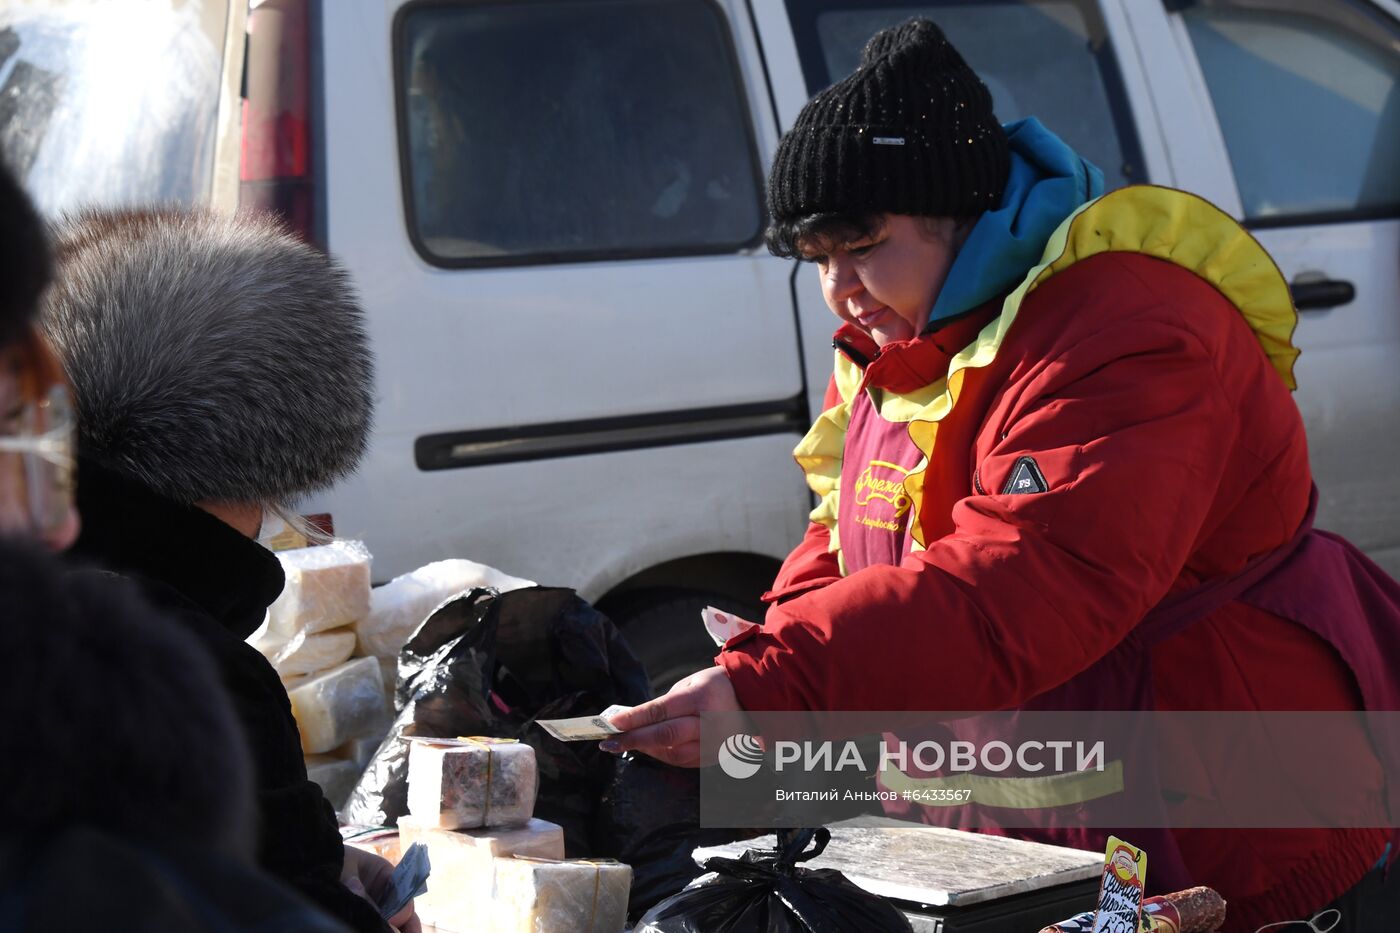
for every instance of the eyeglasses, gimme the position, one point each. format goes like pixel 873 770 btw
pixel 36 442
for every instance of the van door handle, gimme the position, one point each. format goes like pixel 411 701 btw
pixel 1326 293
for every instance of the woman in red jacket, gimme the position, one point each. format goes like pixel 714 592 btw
pixel 1055 415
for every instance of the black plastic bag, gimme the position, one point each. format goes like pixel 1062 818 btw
pixel 764 892
pixel 650 819
pixel 489 663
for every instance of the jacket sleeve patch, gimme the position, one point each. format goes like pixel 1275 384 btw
pixel 1025 478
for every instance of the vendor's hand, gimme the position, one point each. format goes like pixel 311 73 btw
pixel 368 875
pixel 668 728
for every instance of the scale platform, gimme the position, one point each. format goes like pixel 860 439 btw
pixel 948 881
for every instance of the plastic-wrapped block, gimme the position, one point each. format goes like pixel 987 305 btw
pixel 307 654
pixel 546 896
pixel 397 608
pixel 327 587
pixel 463 863
pixel 361 749
pixel 336 776
pixel 339 704
pixel 471 782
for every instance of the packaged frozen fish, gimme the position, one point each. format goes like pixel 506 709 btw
pixel 339 704
pixel 471 782
pixel 306 653
pixel 336 776
pixel 545 896
pixel 464 863
pixel 327 587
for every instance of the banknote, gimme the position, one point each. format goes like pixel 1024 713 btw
pixel 723 626
pixel 583 728
pixel 410 879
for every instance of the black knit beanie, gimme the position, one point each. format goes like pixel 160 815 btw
pixel 911 131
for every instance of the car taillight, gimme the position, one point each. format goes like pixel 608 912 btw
pixel 277 167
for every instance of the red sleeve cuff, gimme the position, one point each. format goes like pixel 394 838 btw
pixel 748 660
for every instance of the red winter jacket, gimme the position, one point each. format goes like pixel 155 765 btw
pixel 1173 453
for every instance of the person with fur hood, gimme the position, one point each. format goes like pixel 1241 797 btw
pixel 219 368
pixel 128 785
pixel 1058 467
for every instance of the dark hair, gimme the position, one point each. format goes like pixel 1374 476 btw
pixel 785 237
pixel 25 264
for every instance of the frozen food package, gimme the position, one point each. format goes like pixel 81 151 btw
pixel 327 587
pixel 546 896
pixel 470 782
pixel 336 776
pixel 307 654
pixel 339 704
pixel 361 748
pixel 464 863
pixel 538 838
pixel 397 608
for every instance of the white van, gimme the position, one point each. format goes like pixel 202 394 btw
pixel 590 371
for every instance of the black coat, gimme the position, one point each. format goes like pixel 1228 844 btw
pixel 219 583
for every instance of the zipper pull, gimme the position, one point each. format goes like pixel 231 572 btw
pixel 857 357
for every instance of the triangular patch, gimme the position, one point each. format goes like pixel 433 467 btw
pixel 1025 478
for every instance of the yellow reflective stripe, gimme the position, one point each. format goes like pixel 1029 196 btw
pixel 1011 793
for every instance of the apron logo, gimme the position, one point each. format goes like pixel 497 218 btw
pixel 1025 478
pixel 869 486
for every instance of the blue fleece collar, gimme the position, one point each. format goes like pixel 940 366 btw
pixel 1048 182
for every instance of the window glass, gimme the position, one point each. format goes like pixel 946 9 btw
pixel 1308 107
pixel 558 130
pixel 111 102
pixel 1049 60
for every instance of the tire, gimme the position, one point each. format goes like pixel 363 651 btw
pixel 663 627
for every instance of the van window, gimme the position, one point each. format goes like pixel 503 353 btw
pixel 1309 104
pixel 1040 58
pixel 111 103
pixel 564 131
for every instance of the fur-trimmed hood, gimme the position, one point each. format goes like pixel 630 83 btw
pixel 212 357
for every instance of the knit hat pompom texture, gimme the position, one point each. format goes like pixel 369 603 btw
pixel 910 131
pixel 211 357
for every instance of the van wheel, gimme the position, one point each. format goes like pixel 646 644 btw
pixel 663 627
